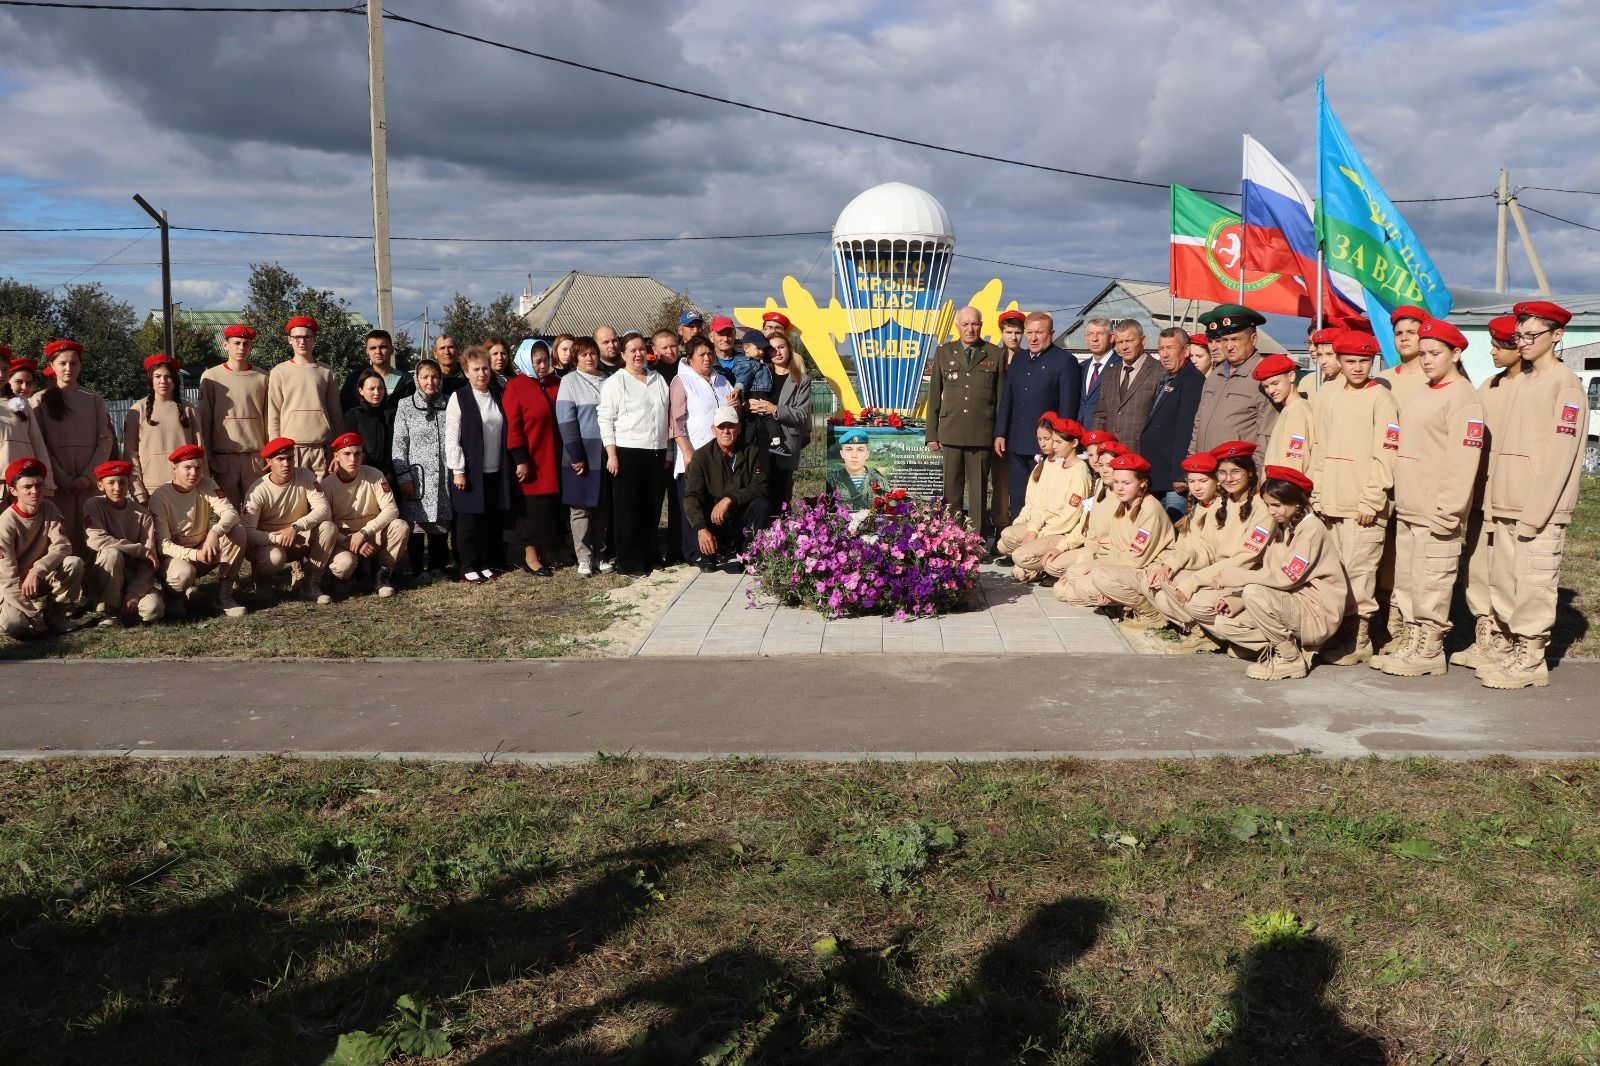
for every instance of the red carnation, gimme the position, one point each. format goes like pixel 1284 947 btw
pixel 895 423
pixel 849 419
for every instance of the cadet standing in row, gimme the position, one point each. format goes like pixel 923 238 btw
pixel 233 416
pixel 303 399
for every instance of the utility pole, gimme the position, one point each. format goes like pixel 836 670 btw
pixel 1527 244
pixel 167 309
pixel 1502 202
pixel 380 164
pixel 426 347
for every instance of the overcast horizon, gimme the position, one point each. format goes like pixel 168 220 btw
pixel 254 121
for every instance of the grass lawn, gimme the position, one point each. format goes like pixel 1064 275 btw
pixel 517 616
pixel 1578 611
pixel 1278 910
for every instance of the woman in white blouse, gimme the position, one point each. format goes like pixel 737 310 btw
pixel 475 452
pixel 692 398
pixel 633 428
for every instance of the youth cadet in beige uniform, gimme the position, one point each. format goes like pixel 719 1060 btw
pixel 77 431
pixel 156 424
pixel 1353 471
pixel 40 578
pixel 1487 640
pixel 1536 462
pixel 122 535
pixel 19 423
pixel 1195 546
pixel 287 522
pixel 1098 505
pixel 1244 528
pixel 303 399
pixel 1138 532
pixel 1293 435
pixel 233 416
pixel 1435 471
pixel 1288 606
pixel 197 529
pixel 366 513
pixel 1406 380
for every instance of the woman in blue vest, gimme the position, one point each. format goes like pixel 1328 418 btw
pixel 480 468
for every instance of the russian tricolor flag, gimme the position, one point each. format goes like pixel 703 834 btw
pixel 1280 230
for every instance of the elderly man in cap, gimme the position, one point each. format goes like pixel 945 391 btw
pixel 233 415
pixel 966 377
pixel 746 374
pixel 1045 378
pixel 40 578
pixel 1536 439
pixel 1232 405
pixel 853 481
pixel 197 529
pixel 725 494
pixel 690 326
pixel 303 398
pixel 288 523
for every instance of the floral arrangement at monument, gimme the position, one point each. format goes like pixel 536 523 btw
pixel 903 557
pixel 875 418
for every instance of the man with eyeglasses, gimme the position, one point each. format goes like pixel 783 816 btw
pixel 1535 463
pixel 303 398
pixel 1232 405
pixel 1406 379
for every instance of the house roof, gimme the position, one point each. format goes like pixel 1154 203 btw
pixel 581 303
pixel 217 321
pixel 1148 303
pixel 1476 307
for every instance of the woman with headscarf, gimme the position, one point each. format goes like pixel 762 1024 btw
pixel 372 419
pixel 535 447
pixel 417 456
pixel 585 484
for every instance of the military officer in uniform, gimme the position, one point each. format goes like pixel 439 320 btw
pixel 963 388
pixel 1232 405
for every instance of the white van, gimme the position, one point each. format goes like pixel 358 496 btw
pixel 1591 452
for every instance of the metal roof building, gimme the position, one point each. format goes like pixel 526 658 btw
pixel 581 303
pixel 1148 303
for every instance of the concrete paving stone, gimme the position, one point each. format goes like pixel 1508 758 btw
pixel 967 621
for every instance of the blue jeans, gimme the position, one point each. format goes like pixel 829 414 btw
pixel 1020 466
pixel 1176 504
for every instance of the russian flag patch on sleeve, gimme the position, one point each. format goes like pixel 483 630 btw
pixel 1296 567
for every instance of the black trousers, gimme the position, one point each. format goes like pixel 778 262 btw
pixel 734 534
pixel 636 505
pixel 478 536
pixel 428 551
pixel 780 489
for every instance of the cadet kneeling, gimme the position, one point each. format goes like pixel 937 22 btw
pixel 127 556
pixel 366 514
pixel 198 531
pixel 40 578
pixel 287 523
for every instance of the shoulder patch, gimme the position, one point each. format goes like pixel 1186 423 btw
pixel 1140 540
pixel 1297 443
pixel 1391 436
pixel 1296 567
pixel 1569 413
pixel 1257 538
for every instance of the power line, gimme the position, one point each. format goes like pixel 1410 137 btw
pixel 442 240
pixel 75 229
pixel 103 262
pixel 192 9
pixel 1049 270
pixel 1445 199
pixel 1546 188
pixel 1558 218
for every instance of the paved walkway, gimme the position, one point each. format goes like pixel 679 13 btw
pixel 712 616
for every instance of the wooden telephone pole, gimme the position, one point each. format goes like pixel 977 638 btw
pixel 380 164
pixel 1507 203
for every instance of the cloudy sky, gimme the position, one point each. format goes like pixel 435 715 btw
pixel 256 121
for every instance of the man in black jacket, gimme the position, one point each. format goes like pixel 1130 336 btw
pixel 1170 423
pixel 725 494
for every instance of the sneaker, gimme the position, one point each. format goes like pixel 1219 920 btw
pixel 606 566
pixel 231 608
pixel 584 569
pixel 472 577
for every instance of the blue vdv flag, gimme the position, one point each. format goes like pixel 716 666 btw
pixel 1364 238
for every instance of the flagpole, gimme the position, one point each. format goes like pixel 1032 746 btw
pixel 1319 284
pixel 1318 203
pixel 1244 225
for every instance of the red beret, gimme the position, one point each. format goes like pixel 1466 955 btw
pixel 1047 418
pixel 1067 427
pixel 1200 463
pixel 160 359
pixel 49 371
pixel 276 445
pixel 1114 447
pixel 778 317
pixel 27 466
pixel 1097 437
pixel 1199 338
pixel 1012 315
pixel 1443 331
pixel 1273 365
pixel 53 347
pixel 113 468
pixel 22 364
pixel 240 331
pixel 1234 449
pixel 184 452
pixel 1543 309
pixel 1291 475
pixel 302 320
pixel 1352 343
pixel 1504 330
pixel 1325 335
pixel 1130 461
pixel 346 440
pixel 1408 312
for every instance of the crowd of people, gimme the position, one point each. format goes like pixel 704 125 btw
pixel 471 464
pixel 1215 491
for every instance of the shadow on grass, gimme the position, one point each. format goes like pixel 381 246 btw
pixel 221 980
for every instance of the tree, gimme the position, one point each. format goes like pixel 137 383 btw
pixel 196 347
pixel 504 322
pixel 276 296
pixel 465 320
pixel 405 349
pixel 31 317
pixel 666 316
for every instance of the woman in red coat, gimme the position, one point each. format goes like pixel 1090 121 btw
pixel 534 444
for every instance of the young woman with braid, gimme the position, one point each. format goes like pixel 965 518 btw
pixel 156 425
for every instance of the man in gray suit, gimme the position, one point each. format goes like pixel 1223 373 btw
pixel 1129 386
pixel 965 379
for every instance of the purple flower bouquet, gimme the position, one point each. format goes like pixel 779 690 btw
pixel 904 557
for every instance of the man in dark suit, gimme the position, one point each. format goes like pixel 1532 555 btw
pixel 1043 378
pixel 1170 423
pixel 964 383
pixel 1128 388
pixel 1096 338
pixel 725 493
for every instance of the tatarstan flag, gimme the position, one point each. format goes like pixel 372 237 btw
pixel 1207 246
